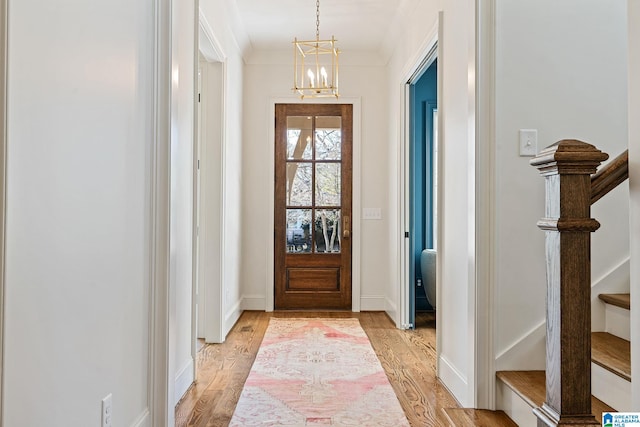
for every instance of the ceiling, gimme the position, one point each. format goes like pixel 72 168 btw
pixel 358 25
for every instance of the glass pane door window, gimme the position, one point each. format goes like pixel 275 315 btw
pixel 313 184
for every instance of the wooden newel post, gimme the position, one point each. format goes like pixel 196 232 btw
pixel 567 167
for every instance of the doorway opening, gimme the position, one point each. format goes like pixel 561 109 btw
pixel 422 189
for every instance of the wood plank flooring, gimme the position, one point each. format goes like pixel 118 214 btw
pixel 408 358
pixel 461 417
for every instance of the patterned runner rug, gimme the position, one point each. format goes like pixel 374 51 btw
pixel 317 372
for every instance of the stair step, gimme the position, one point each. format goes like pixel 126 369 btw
pixel 462 417
pixel 619 300
pixel 530 386
pixel 612 353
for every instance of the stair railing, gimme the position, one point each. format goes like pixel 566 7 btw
pixel 567 167
pixel 610 176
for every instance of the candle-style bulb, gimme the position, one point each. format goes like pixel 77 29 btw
pixel 323 73
pixel 311 78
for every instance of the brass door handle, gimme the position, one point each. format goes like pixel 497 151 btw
pixel 346 233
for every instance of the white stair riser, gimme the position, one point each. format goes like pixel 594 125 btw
pixel 611 389
pixel 618 321
pixel 514 406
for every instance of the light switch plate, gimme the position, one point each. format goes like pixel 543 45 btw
pixel 371 213
pixel 528 142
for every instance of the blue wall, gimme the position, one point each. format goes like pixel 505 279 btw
pixel 424 93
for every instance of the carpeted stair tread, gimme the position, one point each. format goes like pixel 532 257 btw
pixel 612 353
pixel 619 300
pixel 463 417
pixel 530 386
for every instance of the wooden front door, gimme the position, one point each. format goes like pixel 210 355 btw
pixel 313 174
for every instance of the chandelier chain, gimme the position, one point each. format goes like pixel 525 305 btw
pixel 317 19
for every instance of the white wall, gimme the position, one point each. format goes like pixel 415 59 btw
pixel 634 187
pixel 561 69
pixel 457 246
pixel 181 364
pixel 77 261
pixel 231 163
pixel 268 76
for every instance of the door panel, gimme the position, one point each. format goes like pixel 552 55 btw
pixel 313 206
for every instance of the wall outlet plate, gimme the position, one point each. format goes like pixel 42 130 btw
pixel 107 411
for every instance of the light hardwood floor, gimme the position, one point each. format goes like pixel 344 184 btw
pixel 408 358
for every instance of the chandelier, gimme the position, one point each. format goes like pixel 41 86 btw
pixel 315 65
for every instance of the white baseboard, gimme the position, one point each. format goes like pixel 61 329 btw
pixel 618 321
pixel 611 389
pixel 528 353
pixel 455 382
pixel 373 303
pixel 392 311
pixel 514 406
pixel 253 302
pixel 144 420
pixel 232 317
pixel 615 281
pixel 184 379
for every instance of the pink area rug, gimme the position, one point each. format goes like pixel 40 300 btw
pixel 317 372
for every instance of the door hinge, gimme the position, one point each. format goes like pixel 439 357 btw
pixel 198 97
pixel 198 164
pixel 406 234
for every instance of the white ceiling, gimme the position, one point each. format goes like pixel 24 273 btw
pixel 358 25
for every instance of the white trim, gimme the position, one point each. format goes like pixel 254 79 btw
pixel 183 380
pixel 223 205
pixel 613 390
pixel 208 44
pixel 373 303
pixel 212 292
pixel 528 352
pixel 356 207
pixel 160 388
pixel 232 316
pixel 440 235
pixel 616 280
pixel 211 289
pixel 485 229
pixel 514 406
pixel 195 144
pixel 456 382
pixel 391 308
pixel 144 420
pixel 253 302
pixel 4 62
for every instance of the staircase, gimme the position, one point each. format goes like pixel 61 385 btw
pixel 588 372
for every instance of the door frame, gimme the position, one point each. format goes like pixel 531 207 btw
pixel 431 48
pixel 356 196
pixel 4 35
pixel 410 203
pixel 211 231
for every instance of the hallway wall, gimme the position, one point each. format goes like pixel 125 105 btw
pixel 234 261
pixel 456 300
pixel 181 362
pixel 78 212
pixel 567 84
pixel 268 75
